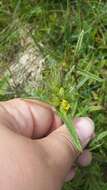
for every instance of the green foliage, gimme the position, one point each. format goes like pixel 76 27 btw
pixel 72 36
pixel 90 178
pixel 98 141
pixel 68 121
pixel 4 87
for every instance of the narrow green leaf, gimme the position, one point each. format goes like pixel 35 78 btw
pixel 99 138
pixel 69 124
pixel 90 75
pixel 96 143
pixel 95 108
pixel 82 82
pixel 79 42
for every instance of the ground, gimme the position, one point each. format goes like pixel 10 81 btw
pixel 64 47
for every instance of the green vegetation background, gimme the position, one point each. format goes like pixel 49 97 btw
pixel 72 36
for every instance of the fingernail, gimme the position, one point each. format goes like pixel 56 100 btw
pixel 85 129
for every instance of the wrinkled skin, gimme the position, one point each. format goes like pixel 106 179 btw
pixel 36 150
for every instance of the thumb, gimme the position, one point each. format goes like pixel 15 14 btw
pixel 62 152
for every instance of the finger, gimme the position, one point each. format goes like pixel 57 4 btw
pixel 57 122
pixel 71 174
pixel 84 130
pixel 85 158
pixel 61 149
pixel 28 118
pixel 41 103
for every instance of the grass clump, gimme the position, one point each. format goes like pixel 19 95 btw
pixel 72 37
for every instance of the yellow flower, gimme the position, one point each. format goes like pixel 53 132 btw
pixel 64 105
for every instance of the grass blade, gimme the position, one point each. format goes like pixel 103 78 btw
pixel 99 138
pixel 79 43
pixel 90 75
pixel 69 124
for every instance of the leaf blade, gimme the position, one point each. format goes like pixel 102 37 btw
pixel 69 124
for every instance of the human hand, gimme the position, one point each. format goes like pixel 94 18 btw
pixel 36 151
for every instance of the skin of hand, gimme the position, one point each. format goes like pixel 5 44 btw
pixel 36 150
